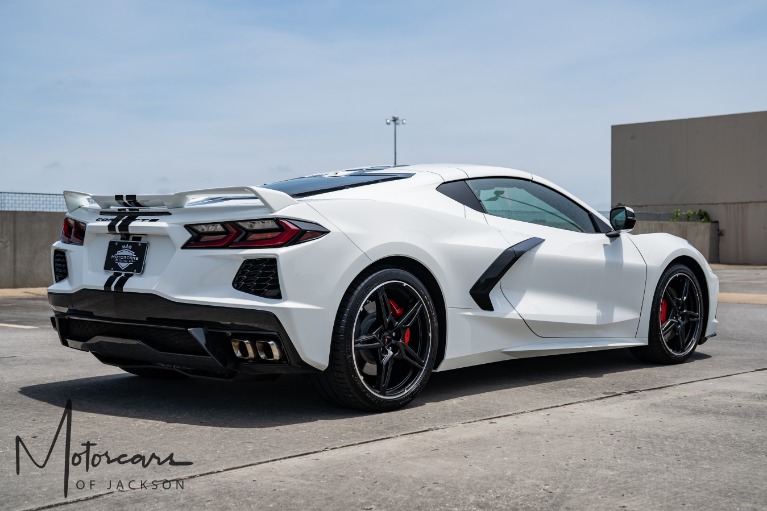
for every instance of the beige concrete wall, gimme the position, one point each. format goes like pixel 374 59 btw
pixel 25 247
pixel 702 236
pixel 743 228
pixel 718 164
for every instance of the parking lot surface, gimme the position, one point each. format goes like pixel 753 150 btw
pixel 589 431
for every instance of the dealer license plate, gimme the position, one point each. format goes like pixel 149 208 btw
pixel 126 256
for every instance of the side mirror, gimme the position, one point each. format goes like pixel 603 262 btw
pixel 621 219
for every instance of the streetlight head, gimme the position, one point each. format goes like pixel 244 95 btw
pixel 388 121
pixel 404 121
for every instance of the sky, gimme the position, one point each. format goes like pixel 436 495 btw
pixel 158 96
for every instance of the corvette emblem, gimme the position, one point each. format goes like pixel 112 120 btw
pixel 125 257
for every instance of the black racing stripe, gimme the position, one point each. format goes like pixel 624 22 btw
pixel 480 291
pixel 121 282
pixel 110 281
pixel 133 211
pixel 113 224
pixel 120 199
pixel 133 201
pixel 122 228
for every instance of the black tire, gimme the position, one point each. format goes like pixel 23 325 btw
pixel 155 373
pixel 677 318
pixel 380 365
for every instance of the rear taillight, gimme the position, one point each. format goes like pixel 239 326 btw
pixel 73 232
pixel 261 233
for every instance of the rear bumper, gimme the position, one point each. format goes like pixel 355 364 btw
pixel 146 330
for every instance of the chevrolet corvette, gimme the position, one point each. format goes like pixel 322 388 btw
pixel 368 280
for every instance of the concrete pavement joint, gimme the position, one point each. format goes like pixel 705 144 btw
pixel 72 501
pixel 610 396
pixel 411 433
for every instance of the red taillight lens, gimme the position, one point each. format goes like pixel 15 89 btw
pixel 259 238
pixel 262 233
pixel 212 235
pixel 73 232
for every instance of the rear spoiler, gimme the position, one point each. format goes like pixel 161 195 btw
pixel 272 199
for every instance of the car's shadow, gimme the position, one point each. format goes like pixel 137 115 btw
pixel 292 400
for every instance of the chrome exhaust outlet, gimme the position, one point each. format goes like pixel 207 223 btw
pixel 268 350
pixel 243 349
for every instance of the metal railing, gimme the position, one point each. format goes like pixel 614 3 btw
pixel 18 201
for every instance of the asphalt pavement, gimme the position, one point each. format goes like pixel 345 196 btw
pixel 589 431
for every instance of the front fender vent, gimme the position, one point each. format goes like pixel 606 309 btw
pixel 258 277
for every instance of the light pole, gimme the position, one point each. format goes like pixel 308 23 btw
pixel 395 121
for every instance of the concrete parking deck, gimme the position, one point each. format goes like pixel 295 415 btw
pixel 589 431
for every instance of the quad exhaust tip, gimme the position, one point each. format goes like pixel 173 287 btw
pixel 266 350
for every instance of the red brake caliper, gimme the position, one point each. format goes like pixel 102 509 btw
pixel 663 311
pixel 398 311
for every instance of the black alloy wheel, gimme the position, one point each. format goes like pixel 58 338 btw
pixel 677 318
pixel 384 343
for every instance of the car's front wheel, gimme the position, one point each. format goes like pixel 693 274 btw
pixel 677 318
pixel 384 343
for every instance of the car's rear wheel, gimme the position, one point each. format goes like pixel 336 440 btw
pixel 384 343
pixel 155 373
pixel 677 318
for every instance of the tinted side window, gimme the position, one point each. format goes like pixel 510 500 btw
pixel 530 202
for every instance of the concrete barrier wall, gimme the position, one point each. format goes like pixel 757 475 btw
pixel 26 238
pixel 25 247
pixel 702 236
pixel 743 229
pixel 718 164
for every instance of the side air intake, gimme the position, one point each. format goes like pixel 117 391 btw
pixel 60 268
pixel 258 277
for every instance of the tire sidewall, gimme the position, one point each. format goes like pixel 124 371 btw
pixel 656 339
pixel 343 335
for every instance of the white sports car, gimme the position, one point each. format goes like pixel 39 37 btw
pixel 370 279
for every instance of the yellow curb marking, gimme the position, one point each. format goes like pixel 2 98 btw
pixel 25 327
pixel 24 292
pixel 747 298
